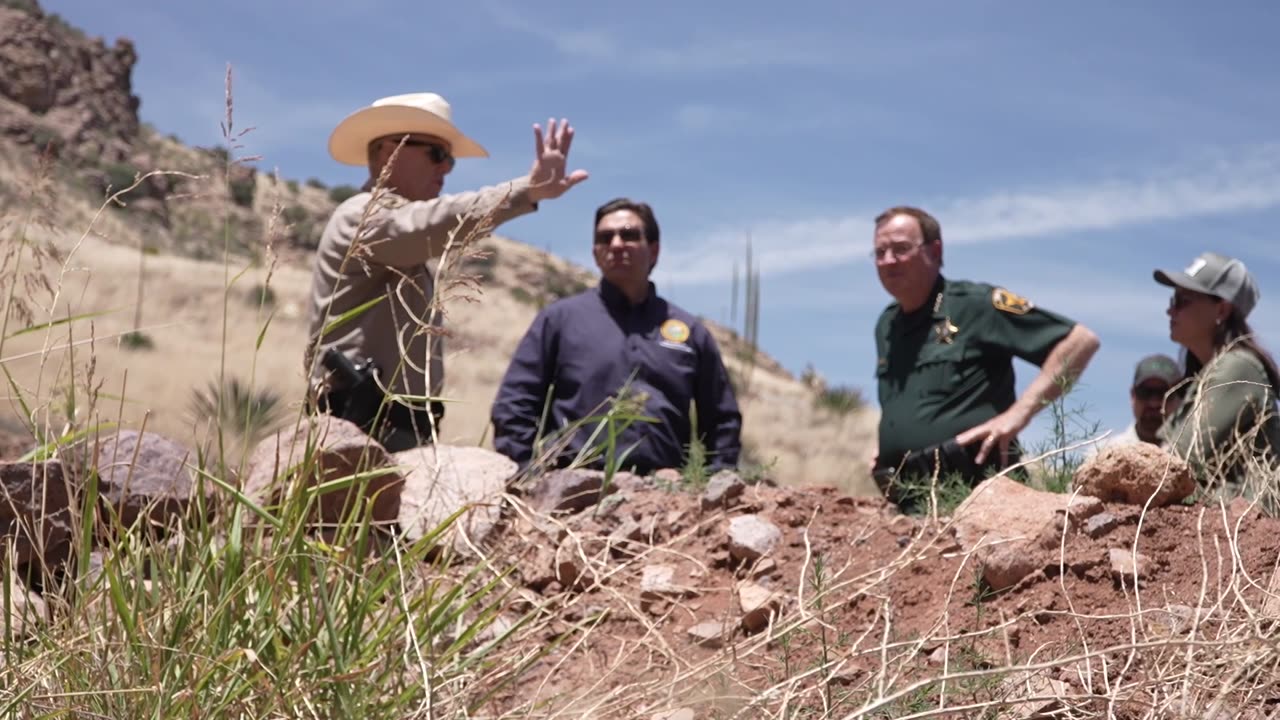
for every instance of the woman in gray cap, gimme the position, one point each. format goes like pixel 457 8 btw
pixel 1226 426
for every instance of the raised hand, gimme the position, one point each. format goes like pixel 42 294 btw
pixel 548 179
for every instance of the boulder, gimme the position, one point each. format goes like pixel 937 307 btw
pixel 74 86
pixel 1014 530
pixel 1135 473
pixel 322 449
pixel 441 480
pixel 146 473
pixel 35 514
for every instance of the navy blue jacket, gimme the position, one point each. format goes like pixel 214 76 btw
pixel 584 349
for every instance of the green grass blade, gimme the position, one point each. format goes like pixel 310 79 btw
pixel 350 315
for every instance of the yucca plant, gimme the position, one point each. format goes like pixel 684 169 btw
pixel 243 411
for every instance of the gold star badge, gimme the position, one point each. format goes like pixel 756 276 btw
pixel 945 331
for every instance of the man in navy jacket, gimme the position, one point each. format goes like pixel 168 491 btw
pixel 583 350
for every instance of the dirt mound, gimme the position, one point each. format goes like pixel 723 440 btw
pixel 645 596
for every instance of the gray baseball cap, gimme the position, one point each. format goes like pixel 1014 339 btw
pixel 1216 275
pixel 1157 367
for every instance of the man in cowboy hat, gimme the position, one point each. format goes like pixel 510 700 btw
pixel 374 331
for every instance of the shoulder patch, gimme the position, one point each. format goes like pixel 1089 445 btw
pixel 1009 302
pixel 676 331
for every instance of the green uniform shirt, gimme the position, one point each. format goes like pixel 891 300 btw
pixel 948 366
pixel 1227 422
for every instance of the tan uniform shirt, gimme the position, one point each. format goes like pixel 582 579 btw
pixel 395 243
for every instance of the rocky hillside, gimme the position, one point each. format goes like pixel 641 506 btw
pixel 149 267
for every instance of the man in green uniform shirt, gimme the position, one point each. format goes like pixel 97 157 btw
pixel 944 370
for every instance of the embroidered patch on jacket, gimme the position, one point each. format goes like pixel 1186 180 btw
pixel 1009 302
pixel 675 331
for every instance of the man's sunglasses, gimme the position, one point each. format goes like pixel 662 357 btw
pixel 437 152
pixel 628 234
pixel 1147 392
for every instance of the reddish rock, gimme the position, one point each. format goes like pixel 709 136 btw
pixel 319 450
pixel 1135 473
pixel 143 472
pixel 1014 530
pixel 35 517
pixel 567 490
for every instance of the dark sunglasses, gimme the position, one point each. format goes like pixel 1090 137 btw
pixel 1181 300
pixel 1146 392
pixel 437 152
pixel 628 235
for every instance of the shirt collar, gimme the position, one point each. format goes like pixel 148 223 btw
pixel 614 297
pixel 934 306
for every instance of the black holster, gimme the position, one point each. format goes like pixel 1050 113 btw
pixel 356 397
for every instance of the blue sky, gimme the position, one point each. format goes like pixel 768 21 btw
pixel 1067 148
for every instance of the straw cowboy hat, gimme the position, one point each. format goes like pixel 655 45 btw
pixel 414 113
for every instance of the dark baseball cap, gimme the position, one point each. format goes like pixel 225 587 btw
pixel 1217 275
pixel 1157 367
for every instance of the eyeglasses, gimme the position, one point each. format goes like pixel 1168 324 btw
pixel 899 249
pixel 1181 299
pixel 438 153
pixel 629 235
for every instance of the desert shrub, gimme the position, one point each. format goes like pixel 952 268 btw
pixel 295 214
pixel 261 295
pixel 220 154
pixel 340 193
pixel 316 183
pixel 136 340
pixel 293 186
pixel 840 400
pixel 523 296
pixel 118 176
pixel 248 413
pixel 242 190
pixel 47 138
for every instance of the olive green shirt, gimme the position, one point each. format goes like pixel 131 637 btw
pixel 948 366
pixel 1227 421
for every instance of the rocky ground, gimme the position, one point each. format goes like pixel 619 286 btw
pixel 651 597
pixel 713 601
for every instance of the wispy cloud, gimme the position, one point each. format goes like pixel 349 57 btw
pixel 1245 180
pixel 706 53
